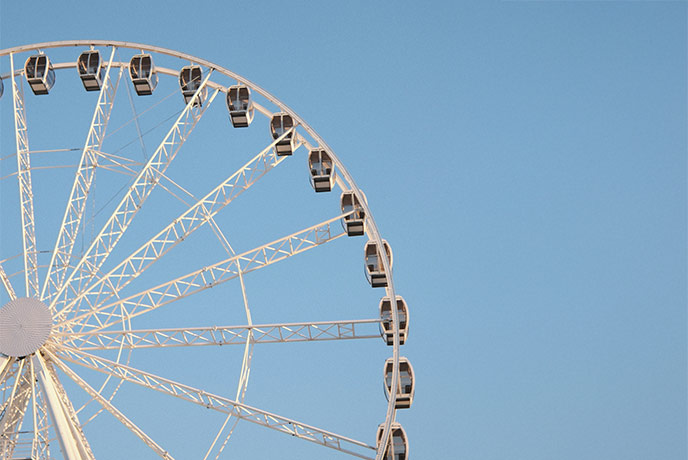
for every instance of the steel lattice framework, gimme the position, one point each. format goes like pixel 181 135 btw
pixel 95 287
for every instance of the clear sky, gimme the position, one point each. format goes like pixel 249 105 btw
pixel 527 163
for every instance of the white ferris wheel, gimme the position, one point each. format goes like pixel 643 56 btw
pixel 153 200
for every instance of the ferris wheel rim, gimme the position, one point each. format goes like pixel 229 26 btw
pixel 372 228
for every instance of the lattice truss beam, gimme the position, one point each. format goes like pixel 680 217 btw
pixel 207 277
pixel 14 407
pixel 196 216
pixel 72 440
pixel 107 405
pixel 6 284
pixel 83 180
pixel 136 195
pixel 215 402
pixel 224 335
pixel 25 188
pixel 40 440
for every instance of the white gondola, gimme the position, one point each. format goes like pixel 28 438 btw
pixel 397 445
pixel 406 386
pixel 387 322
pixel 280 124
pixel 90 70
pixel 143 75
pixel 322 171
pixel 354 223
pixel 190 79
pixel 39 73
pixel 240 105
pixel 374 268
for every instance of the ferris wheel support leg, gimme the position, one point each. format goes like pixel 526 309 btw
pixel 72 446
pixel 112 409
pixel 25 187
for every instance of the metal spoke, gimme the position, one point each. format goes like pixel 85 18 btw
pixel 218 403
pixel 13 410
pixel 72 440
pixel 5 367
pixel 136 195
pixel 107 405
pixel 25 187
pixel 224 335
pixel 212 275
pixel 82 183
pixel 39 443
pixel 179 229
pixel 6 283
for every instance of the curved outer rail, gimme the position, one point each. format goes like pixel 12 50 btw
pixel 372 228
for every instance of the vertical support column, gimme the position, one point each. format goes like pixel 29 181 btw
pixel 68 443
pixel 25 188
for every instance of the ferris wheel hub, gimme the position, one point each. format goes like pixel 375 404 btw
pixel 25 325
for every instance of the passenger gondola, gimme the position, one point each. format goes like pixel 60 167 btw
pixel 397 445
pixel 190 79
pixel 374 268
pixel 387 323
pixel 280 124
pixel 240 106
pixel 39 73
pixel 322 171
pixel 406 386
pixel 143 75
pixel 354 223
pixel 90 70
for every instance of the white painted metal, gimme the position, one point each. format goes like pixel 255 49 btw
pixel 57 415
pixel 25 324
pixel 182 287
pixel 40 441
pixel 13 410
pixel 25 187
pixel 6 283
pixel 223 335
pixel 144 184
pixel 179 229
pixel 82 183
pixel 210 276
pixel 110 408
pixel 218 403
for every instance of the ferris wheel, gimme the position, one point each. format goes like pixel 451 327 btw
pixel 153 206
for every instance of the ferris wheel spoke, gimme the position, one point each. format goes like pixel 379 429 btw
pixel 40 449
pixel 69 433
pixel 82 183
pixel 7 284
pixel 107 405
pixel 218 403
pixel 13 411
pixel 25 187
pixel 136 195
pixel 179 229
pixel 6 368
pixel 210 276
pixel 226 335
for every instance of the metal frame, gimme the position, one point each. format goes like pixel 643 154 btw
pixel 76 289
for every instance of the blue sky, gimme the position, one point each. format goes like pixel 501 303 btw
pixel 527 163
